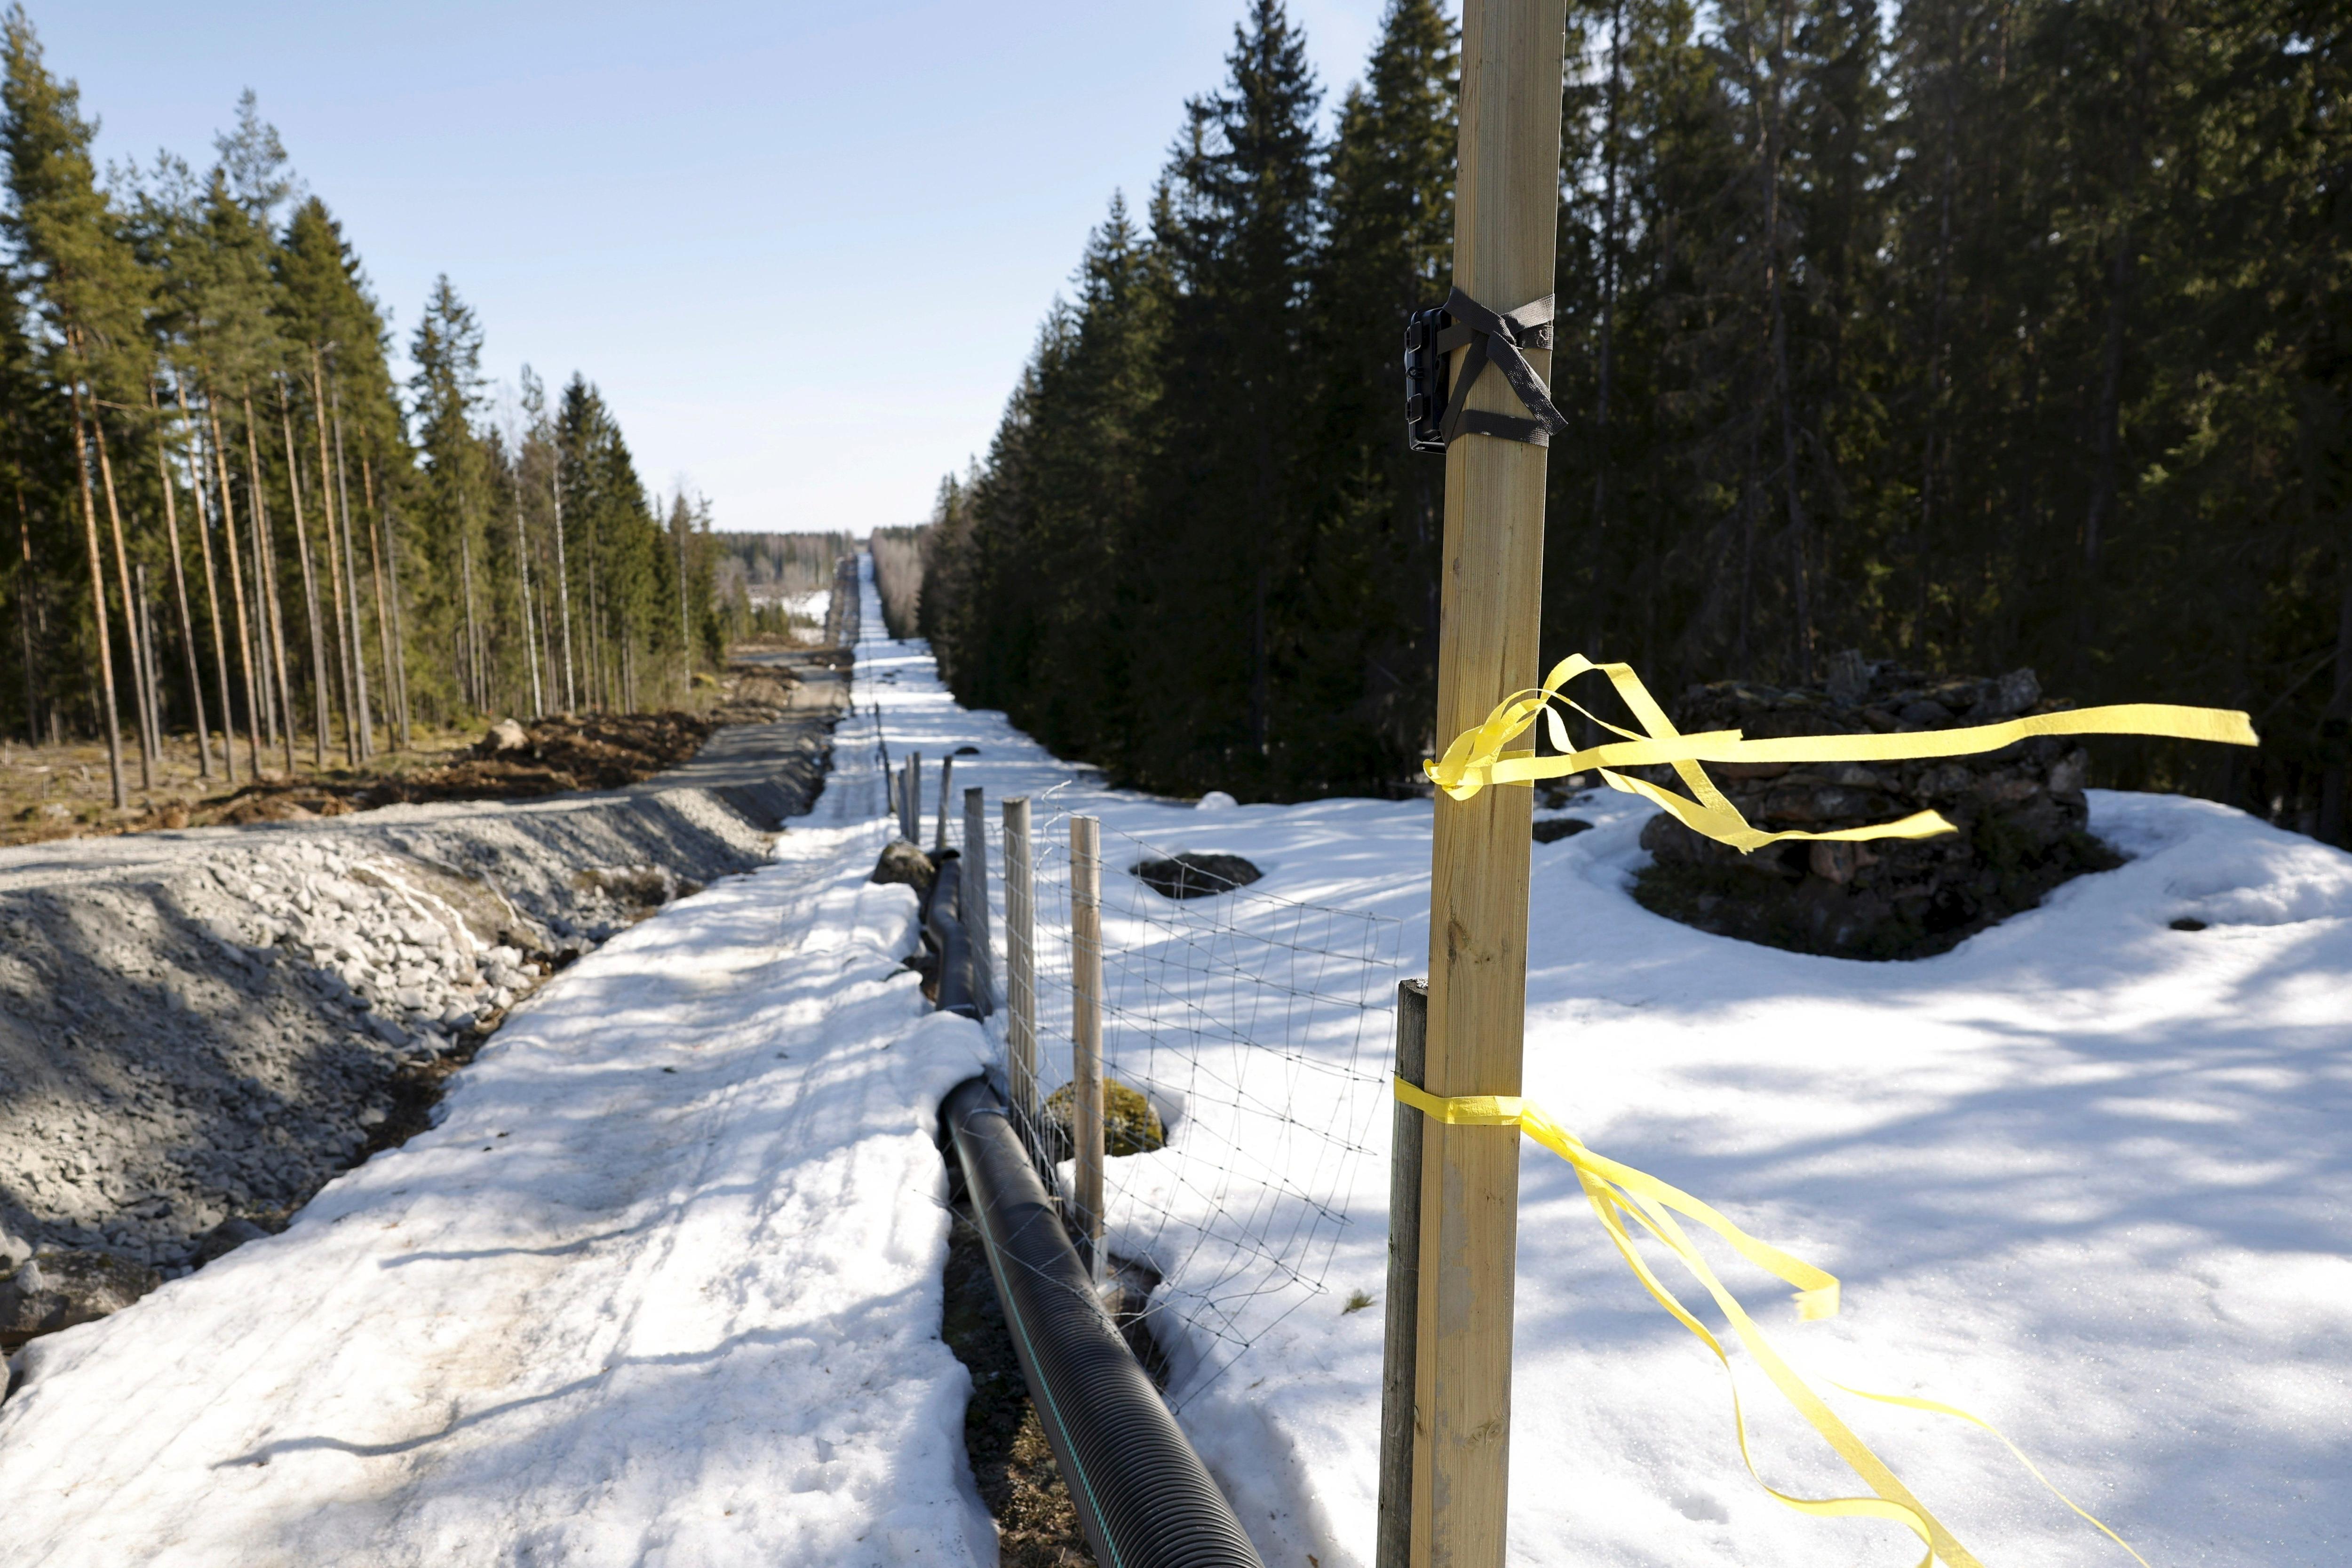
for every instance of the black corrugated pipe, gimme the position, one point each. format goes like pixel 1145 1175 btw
pixel 943 924
pixel 1143 1496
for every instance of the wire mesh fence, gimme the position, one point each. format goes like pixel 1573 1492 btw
pixel 1253 1031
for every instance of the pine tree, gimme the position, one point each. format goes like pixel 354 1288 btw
pixel 447 386
pixel 92 297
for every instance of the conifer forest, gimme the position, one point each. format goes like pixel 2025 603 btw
pixel 1967 333
pixel 225 518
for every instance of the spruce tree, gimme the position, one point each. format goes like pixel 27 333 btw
pixel 1219 563
pixel 1389 252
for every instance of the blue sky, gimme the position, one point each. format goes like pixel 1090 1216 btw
pixel 803 249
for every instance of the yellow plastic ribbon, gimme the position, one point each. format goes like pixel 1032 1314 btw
pixel 1617 1192
pixel 1483 755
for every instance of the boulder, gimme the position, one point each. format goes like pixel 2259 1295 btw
pixel 905 863
pixel 59 1290
pixel 2020 811
pixel 1191 876
pixel 1129 1124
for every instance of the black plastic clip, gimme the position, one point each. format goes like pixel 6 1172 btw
pixel 1433 413
pixel 1426 375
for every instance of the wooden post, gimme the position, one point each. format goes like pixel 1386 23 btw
pixel 972 905
pixel 1394 1543
pixel 1020 965
pixel 911 827
pixel 946 785
pixel 1507 205
pixel 1086 1035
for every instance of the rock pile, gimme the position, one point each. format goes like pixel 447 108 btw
pixel 2019 813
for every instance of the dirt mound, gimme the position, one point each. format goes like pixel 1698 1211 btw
pixel 552 756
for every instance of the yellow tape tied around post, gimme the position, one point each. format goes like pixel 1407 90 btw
pixel 1618 1193
pixel 1484 756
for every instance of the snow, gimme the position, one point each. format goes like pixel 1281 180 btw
pixel 663 1286
pixel 2085 1175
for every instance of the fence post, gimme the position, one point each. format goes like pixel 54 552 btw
pixel 910 825
pixel 1086 1035
pixel 971 904
pixel 1020 965
pixel 1394 1543
pixel 1506 220
pixel 946 784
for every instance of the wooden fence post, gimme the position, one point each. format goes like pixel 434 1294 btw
pixel 947 786
pixel 1086 1035
pixel 1505 218
pixel 1394 1543
pixel 971 904
pixel 910 826
pixel 1020 965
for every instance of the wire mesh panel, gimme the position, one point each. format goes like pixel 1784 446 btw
pixel 1257 1027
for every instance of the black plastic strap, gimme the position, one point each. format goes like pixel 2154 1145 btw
pixel 1499 338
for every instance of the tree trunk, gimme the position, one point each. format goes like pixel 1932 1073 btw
pixel 1800 529
pixel 363 710
pixel 25 604
pixel 477 687
pixel 147 737
pixel 2335 720
pixel 1608 266
pixel 399 629
pixel 1938 348
pixel 564 592
pixel 271 593
pixel 344 643
pixel 180 592
pixel 236 592
pixel 596 682
pixel 530 633
pixel 212 590
pixel 97 602
pixel 320 668
pixel 155 659
pixel 387 607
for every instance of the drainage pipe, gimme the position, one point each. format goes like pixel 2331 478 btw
pixel 1143 1496
pixel 943 927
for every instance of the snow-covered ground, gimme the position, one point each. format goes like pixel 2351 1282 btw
pixel 2085 1175
pixel 662 1287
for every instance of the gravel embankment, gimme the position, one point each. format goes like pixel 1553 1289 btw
pixel 199 1029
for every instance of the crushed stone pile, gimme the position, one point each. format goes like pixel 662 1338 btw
pixel 2021 815
pixel 198 1030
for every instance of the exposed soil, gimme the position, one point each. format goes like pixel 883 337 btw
pixel 63 792
pixel 1010 1459
pixel 557 756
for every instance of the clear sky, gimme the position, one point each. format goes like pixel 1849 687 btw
pixel 803 249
